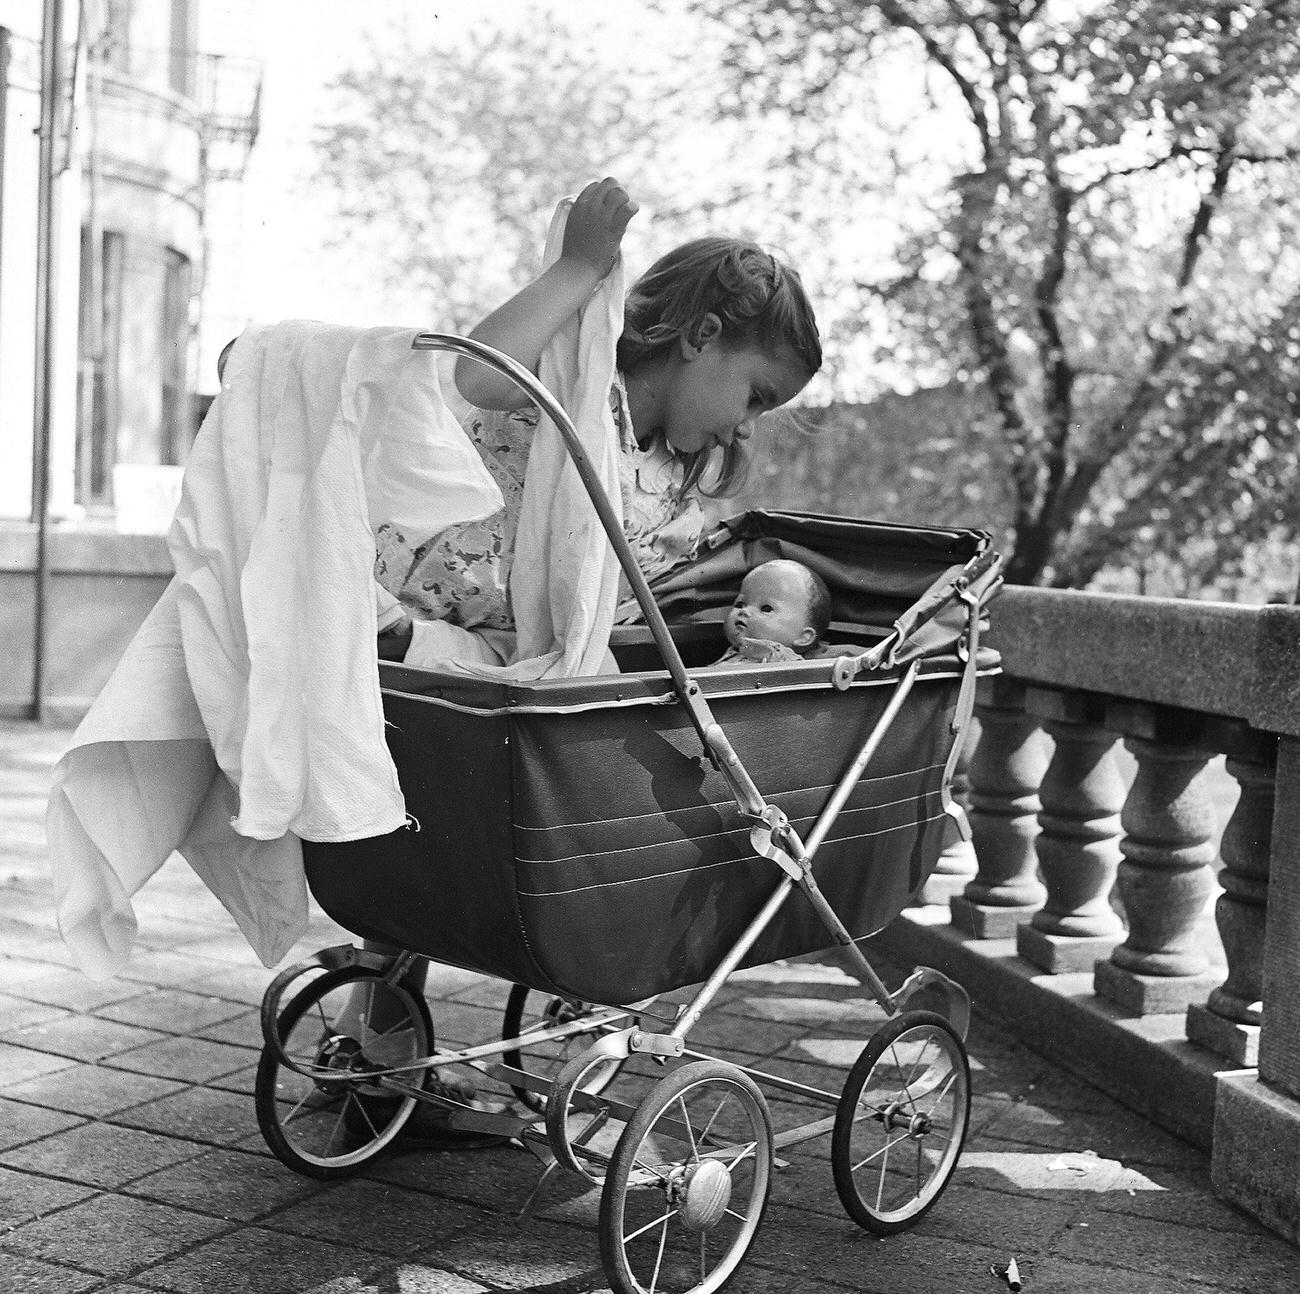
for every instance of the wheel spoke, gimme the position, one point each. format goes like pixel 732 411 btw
pixel 880 1186
pixel 365 1114
pixel 883 1150
pixel 744 1154
pixel 659 1257
pixel 663 1221
pixel 690 1132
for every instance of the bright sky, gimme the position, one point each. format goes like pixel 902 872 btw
pixel 288 270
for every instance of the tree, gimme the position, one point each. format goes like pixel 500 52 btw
pixel 1111 253
pixel 448 156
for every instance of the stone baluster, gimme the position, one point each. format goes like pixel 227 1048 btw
pixel 1164 880
pixel 1078 843
pixel 1228 1024
pixel 957 864
pixel 1006 769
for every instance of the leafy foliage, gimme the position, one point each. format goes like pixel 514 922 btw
pixel 1109 253
pixel 451 156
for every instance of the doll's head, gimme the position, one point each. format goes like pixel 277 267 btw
pixel 781 601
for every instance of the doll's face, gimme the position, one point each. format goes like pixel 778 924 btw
pixel 773 604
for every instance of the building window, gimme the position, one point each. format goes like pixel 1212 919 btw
pixel 181 68
pixel 176 422
pixel 98 374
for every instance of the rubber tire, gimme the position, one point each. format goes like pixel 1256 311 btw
pixel 885 1222
pixel 270 1066
pixel 614 1194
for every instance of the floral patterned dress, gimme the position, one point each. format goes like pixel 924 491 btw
pixel 462 574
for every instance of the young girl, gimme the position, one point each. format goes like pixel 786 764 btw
pixel 714 334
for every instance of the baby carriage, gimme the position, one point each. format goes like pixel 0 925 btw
pixel 602 844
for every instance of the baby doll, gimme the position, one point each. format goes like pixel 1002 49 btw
pixel 780 614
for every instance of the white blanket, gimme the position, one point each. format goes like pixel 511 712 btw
pixel 246 714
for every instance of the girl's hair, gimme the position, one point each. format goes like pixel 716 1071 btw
pixel 759 300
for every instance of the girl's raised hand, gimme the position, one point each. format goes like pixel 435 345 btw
pixel 597 221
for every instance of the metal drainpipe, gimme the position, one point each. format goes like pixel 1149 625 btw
pixel 51 96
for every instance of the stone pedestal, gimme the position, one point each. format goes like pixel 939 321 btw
pixel 1078 842
pixel 1256 1150
pixel 1164 881
pixel 1006 769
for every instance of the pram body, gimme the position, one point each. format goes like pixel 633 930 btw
pixel 572 837
pixel 602 842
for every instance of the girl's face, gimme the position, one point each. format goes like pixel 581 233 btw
pixel 711 393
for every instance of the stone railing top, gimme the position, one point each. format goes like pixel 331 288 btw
pixel 1213 657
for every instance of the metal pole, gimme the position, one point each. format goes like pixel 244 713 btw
pixel 51 96
pixel 4 135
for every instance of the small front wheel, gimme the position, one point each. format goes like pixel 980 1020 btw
pixel 901 1122
pixel 324 1112
pixel 688 1183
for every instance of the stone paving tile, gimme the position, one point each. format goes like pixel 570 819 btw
pixel 192 1059
pixel 84 1037
pixel 914 1262
pixel 18 1012
pixel 20 1275
pixel 1261 1261
pixel 70 989
pixel 91 1090
pixel 113 1234
pixel 1047 1272
pixel 244 984
pixel 99 1154
pixel 413 1278
pixel 256 1261
pixel 24 1196
pixel 228 1184
pixel 20 1123
pixel 503 1254
pixel 198 1114
pixel 20 1063
pixel 163 968
pixel 241 1030
pixel 239 1080
pixel 389 1219
pixel 1121 1135
pixel 500 1178
pixel 172 1010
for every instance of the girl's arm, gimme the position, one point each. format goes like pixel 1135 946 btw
pixel 527 322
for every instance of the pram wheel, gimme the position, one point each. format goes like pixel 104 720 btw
pixel 901 1122
pixel 526 1010
pixel 688 1183
pixel 319 1105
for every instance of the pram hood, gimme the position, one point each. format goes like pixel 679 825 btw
pixel 910 583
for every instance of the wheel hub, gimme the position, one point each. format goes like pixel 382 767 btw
pixel 339 1053
pixel 702 1194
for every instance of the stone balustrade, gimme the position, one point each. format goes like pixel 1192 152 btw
pixel 1095 860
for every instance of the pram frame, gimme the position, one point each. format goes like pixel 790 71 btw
pixel 621 1030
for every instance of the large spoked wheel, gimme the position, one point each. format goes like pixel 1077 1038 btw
pixel 528 1011
pixel 326 1114
pixel 688 1183
pixel 901 1122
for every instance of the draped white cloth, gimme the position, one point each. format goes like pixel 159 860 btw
pixel 245 716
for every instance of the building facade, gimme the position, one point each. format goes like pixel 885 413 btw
pixel 144 132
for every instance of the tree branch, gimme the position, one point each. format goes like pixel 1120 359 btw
pixel 898 16
pixel 1170 341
